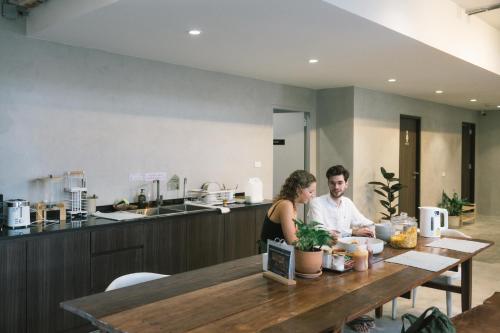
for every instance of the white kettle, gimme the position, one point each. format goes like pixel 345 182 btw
pixel 431 223
pixel 253 191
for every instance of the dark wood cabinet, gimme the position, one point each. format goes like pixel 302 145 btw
pixel 165 245
pixel 260 215
pixel 116 251
pixel 58 269
pixel 205 236
pixel 239 234
pixel 13 288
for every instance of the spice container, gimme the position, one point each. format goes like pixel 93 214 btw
pixel 360 258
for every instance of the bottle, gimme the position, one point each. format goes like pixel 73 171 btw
pixel 370 255
pixel 141 199
pixel 360 258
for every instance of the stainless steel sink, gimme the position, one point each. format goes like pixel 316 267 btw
pixel 187 208
pixel 168 210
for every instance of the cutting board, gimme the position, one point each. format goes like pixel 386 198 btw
pixel 119 216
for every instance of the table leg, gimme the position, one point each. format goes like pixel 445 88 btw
pixel 379 311
pixel 466 285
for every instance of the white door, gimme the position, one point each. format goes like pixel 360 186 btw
pixel 289 148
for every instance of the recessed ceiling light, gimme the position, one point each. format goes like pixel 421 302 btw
pixel 313 61
pixel 438 91
pixel 472 100
pixel 392 80
pixel 194 32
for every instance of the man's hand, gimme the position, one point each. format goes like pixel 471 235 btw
pixel 363 232
pixel 335 234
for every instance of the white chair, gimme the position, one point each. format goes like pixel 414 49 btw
pixel 446 278
pixel 134 278
pixel 131 279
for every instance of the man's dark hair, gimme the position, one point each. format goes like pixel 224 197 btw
pixel 337 170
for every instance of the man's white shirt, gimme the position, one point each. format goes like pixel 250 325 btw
pixel 342 217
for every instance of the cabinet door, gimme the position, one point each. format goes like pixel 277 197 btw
pixel 239 234
pixel 260 215
pixel 116 251
pixel 58 269
pixel 13 289
pixel 165 246
pixel 205 239
pixel 108 266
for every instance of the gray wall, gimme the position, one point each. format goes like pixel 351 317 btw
pixel 488 164
pixel 66 108
pixel 335 132
pixel 360 128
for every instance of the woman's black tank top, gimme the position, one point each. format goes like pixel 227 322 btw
pixel 271 230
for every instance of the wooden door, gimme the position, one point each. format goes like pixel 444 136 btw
pixel 409 165
pixel 468 160
pixel 13 286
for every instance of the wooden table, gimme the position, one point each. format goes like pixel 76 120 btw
pixel 234 297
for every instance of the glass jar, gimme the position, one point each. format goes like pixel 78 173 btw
pixel 360 258
pixel 405 236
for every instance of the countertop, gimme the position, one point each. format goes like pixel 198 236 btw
pixel 93 222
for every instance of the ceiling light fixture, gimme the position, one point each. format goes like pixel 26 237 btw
pixel 313 61
pixel 438 91
pixel 473 100
pixel 194 32
pixel 391 80
pixel 498 106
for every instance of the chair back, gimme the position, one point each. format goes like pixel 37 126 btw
pixel 134 278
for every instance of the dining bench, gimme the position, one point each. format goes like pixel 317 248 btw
pixel 483 318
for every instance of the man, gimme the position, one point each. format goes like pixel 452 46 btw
pixel 337 213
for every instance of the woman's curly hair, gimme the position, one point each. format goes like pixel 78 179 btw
pixel 298 180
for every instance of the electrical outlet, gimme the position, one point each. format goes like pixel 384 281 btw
pixel 258 164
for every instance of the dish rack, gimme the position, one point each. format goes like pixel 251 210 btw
pixel 212 197
pixel 75 188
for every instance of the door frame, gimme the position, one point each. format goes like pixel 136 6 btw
pixel 473 158
pixel 418 157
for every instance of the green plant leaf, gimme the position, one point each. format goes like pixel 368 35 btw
pixel 377 183
pixel 389 175
pixel 384 203
pixel 396 187
pixel 380 192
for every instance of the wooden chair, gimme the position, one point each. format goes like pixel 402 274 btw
pixel 468 214
pixel 482 319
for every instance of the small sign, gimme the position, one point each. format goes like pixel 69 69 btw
pixel 279 142
pixel 150 176
pixel 281 259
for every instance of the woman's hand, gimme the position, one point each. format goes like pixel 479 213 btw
pixel 363 232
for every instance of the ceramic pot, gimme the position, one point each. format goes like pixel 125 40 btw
pixel 308 262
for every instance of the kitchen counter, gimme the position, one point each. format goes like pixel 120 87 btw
pixel 95 222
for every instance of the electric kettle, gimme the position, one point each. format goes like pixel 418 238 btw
pixel 431 222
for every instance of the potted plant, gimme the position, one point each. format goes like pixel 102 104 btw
pixel 388 191
pixel 308 254
pixel 454 206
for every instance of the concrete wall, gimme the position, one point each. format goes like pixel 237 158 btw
pixel 335 132
pixel 376 143
pixel 66 108
pixel 488 164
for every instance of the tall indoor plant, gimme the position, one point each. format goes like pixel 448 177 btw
pixel 308 254
pixel 388 191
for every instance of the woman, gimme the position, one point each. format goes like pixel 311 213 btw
pixel 299 187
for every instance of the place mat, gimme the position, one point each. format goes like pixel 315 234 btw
pixel 428 261
pixel 458 245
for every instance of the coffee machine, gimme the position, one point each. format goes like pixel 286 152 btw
pixel 16 213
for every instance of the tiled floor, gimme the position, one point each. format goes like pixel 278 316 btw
pixel 485 276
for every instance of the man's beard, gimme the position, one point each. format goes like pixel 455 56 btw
pixel 338 195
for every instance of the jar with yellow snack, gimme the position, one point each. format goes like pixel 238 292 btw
pixel 406 235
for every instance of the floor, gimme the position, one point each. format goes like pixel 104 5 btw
pixel 485 273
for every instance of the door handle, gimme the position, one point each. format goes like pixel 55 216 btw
pixel 416 173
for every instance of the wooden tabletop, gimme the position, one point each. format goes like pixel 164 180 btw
pixel 235 297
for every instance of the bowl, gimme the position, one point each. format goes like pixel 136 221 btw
pixel 350 244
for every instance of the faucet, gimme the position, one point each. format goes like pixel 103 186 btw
pixel 159 198
pixel 184 190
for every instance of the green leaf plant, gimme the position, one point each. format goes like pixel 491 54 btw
pixel 311 236
pixel 452 204
pixel 389 192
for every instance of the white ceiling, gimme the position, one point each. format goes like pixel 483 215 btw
pixel 491 17
pixel 273 39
